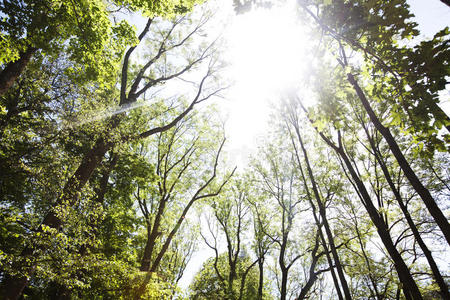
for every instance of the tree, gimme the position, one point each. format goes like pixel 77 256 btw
pixel 278 177
pixel 378 44
pixel 184 178
pixel 83 30
pixel 410 288
pixel 115 133
pixel 207 284
pixel 231 214
pixel 292 120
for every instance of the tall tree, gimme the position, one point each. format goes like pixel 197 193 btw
pixel 155 71
pixel 379 44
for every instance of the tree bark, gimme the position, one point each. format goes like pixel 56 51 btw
pixel 423 192
pixel 13 69
pixel 284 276
pixel 312 274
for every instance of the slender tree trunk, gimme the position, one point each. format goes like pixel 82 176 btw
pixel 409 286
pixel 319 230
pixel 366 259
pixel 312 274
pixel 314 210
pixel 434 268
pixel 261 279
pixel 13 69
pixel 284 277
pixel 322 213
pixel 152 235
pixel 423 192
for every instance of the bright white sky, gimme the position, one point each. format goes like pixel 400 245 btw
pixel 265 53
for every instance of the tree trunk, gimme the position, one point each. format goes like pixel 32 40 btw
pixel 423 192
pixel 305 290
pixel 284 276
pixel 313 206
pixel 147 256
pixel 366 259
pixel 312 274
pixel 152 235
pixel 324 244
pixel 409 286
pixel 322 213
pixel 434 268
pixel 13 69
pixel 261 279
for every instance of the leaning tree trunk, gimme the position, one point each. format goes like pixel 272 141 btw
pixel 410 289
pixel 423 192
pixel 13 69
pixel 316 219
pixel 313 276
pixel 322 213
pixel 434 268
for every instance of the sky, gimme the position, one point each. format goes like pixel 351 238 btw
pixel 264 59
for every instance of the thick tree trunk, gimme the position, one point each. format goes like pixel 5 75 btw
pixel 409 286
pixel 14 286
pixel 434 268
pixel 147 256
pixel 13 70
pixel 305 290
pixel 423 192
pixel 152 235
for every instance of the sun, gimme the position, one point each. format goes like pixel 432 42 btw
pixel 266 57
pixel 266 48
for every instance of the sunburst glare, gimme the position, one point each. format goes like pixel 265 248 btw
pixel 266 53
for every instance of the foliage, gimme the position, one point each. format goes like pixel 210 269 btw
pixel 105 150
pixel 207 285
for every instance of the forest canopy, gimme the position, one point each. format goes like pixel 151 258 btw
pixel 117 176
